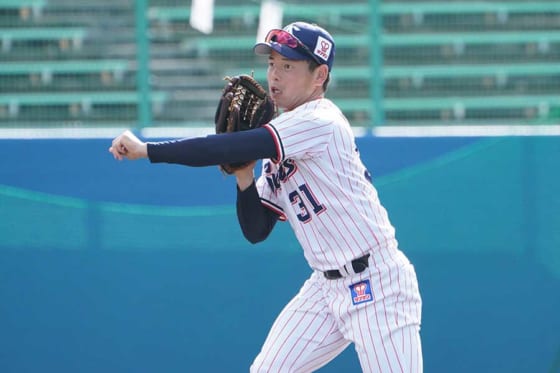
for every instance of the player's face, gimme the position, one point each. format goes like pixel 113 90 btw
pixel 291 83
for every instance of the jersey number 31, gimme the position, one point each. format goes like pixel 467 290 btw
pixel 296 199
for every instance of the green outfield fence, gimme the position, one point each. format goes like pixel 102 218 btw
pixel 124 63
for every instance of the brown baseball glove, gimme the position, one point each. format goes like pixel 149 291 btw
pixel 244 105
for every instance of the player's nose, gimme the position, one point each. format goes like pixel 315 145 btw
pixel 272 73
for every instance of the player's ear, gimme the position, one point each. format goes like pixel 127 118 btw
pixel 321 74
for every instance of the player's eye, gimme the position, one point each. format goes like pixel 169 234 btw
pixel 288 67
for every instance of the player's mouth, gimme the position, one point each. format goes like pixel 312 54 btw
pixel 274 91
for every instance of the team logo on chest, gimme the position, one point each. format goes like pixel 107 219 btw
pixel 284 171
pixel 361 292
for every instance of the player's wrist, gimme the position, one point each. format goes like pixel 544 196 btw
pixel 244 180
pixel 144 150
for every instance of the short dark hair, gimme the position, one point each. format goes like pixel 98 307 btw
pixel 312 67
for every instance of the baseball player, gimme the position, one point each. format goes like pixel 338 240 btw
pixel 363 289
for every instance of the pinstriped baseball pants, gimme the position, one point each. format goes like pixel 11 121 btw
pixel 322 320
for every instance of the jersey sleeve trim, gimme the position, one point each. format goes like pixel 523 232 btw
pixel 277 141
pixel 275 208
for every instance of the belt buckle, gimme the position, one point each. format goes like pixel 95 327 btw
pixel 358 266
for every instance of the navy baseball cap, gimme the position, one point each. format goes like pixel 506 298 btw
pixel 300 41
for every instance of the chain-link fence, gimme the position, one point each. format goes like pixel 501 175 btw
pixel 139 63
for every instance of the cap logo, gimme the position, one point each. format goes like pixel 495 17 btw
pixel 323 48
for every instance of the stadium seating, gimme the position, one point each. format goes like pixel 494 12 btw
pixel 75 104
pixel 337 10
pixel 497 59
pixel 25 8
pixel 470 62
pixel 60 35
pixel 58 69
pixel 49 68
pixel 22 4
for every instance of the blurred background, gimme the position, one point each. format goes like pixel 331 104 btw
pixel 129 267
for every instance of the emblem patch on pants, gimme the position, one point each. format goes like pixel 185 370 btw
pixel 361 292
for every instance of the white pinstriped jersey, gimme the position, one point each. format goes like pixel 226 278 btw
pixel 320 185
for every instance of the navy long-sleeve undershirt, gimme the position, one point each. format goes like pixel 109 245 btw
pixel 256 221
pixel 215 149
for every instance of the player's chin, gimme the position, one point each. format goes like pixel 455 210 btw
pixel 277 99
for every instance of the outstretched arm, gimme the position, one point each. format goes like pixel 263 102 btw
pixel 201 151
pixel 256 221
